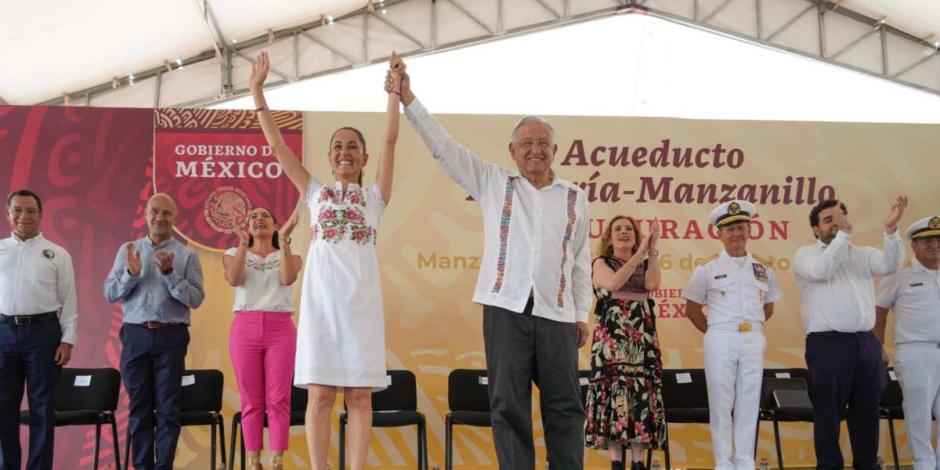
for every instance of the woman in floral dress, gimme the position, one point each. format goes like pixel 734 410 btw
pixel 624 402
pixel 341 334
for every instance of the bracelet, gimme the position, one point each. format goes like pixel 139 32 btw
pixel 263 108
pixel 654 252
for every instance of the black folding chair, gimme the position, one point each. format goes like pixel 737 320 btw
pixel 469 403
pixel 86 397
pixel 891 410
pixel 685 399
pixel 298 410
pixel 393 407
pixel 200 405
pixel 784 398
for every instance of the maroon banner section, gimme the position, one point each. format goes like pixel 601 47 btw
pixel 218 166
pixel 91 167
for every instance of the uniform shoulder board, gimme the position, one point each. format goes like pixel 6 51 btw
pixel 710 258
pixel 906 264
pixel 761 260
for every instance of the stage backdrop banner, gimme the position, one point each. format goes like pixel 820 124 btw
pixel 674 170
pixel 94 169
pixel 217 166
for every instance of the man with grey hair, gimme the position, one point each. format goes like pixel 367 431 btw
pixel 158 280
pixel 534 284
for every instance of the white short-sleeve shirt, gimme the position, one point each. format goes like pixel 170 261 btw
pixel 914 295
pixel 733 291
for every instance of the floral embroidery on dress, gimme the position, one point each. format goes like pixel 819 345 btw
pixel 342 217
pixel 504 219
pixel 569 229
pixel 262 265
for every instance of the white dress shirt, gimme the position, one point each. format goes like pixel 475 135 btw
pixel 914 295
pixel 36 276
pixel 734 292
pixel 535 240
pixel 835 281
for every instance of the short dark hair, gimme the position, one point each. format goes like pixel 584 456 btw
pixel 24 193
pixel 823 205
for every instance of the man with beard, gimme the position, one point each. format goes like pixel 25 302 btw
pixel 843 355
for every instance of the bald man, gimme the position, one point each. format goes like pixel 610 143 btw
pixel 158 280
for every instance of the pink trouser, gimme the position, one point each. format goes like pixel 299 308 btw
pixel 262 346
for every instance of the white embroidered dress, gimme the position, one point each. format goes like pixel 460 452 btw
pixel 341 331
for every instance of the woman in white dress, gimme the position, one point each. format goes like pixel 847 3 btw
pixel 341 334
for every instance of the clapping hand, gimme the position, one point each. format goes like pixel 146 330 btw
pixel 644 247
pixel 242 231
pixel 284 232
pixel 164 261
pixel 842 221
pixel 895 214
pixel 132 260
pixel 655 233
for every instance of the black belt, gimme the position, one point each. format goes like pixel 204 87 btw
pixel 29 319
pixel 154 325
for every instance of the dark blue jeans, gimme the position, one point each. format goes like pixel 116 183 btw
pixel 152 364
pixel 27 356
pixel 846 370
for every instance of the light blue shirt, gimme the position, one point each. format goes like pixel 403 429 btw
pixel 153 296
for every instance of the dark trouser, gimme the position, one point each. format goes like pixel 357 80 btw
pixel 152 364
pixel 27 353
pixel 521 348
pixel 845 369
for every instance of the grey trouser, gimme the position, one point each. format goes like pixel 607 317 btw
pixel 520 349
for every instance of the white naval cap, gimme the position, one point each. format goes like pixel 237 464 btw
pixel 927 227
pixel 730 212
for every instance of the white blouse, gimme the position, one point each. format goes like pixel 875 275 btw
pixel 262 289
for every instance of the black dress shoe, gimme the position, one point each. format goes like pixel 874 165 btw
pixel 616 465
pixel 638 465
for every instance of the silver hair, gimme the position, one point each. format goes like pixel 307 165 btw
pixel 531 119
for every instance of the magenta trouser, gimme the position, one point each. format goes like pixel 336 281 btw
pixel 262 346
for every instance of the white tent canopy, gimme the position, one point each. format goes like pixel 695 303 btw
pixel 111 53
pixel 659 69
